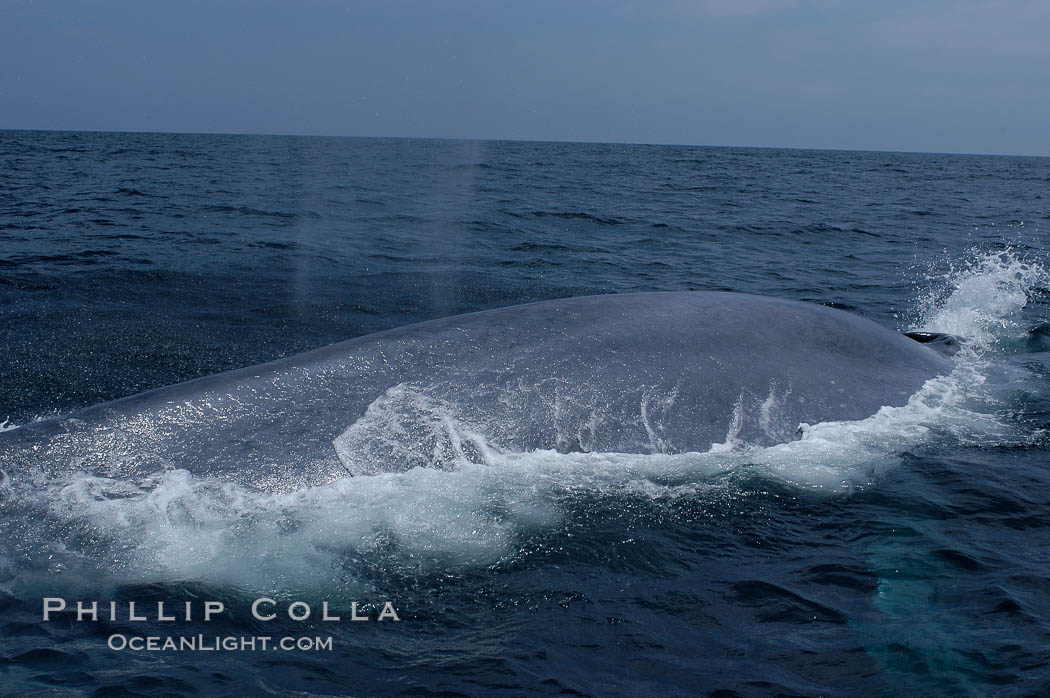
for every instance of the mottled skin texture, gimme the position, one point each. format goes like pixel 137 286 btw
pixel 640 373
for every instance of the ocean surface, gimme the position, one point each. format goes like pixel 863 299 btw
pixel 904 554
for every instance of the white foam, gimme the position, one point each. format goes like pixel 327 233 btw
pixel 981 299
pixel 177 526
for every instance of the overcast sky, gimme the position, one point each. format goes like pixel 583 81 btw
pixel 911 75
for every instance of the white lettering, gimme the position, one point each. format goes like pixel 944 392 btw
pixel 82 611
pixel 255 608
pixel 160 613
pixel 211 608
pixel 324 612
pixel 388 612
pixel 50 605
pixel 299 604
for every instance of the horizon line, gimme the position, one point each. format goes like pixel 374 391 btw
pixel 524 140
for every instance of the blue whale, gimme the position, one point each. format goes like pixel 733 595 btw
pixel 634 373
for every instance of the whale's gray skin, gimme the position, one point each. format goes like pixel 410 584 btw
pixel 641 373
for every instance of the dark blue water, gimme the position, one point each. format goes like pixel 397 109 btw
pixel 906 553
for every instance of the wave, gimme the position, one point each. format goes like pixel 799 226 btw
pixel 250 211
pixel 569 215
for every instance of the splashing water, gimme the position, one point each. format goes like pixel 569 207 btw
pixel 981 300
pixel 177 526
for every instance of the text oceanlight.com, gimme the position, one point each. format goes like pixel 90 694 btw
pixel 228 643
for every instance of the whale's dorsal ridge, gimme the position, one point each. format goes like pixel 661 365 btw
pixel 631 373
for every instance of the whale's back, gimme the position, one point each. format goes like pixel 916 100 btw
pixel 651 372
